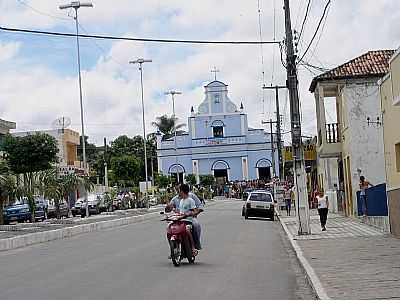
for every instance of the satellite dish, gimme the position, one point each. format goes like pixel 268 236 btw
pixel 61 123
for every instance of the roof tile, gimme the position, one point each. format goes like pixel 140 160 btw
pixel 373 63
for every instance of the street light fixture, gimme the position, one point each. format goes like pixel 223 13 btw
pixel 140 62
pixel 76 5
pixel 173 93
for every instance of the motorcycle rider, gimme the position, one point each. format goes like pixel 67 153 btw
pixel 188 208
pixel 174 205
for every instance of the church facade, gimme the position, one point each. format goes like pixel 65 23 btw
pixel 218 142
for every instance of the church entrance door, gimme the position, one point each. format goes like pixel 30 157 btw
pixel 177 178
pixel 264 173
pixel 221 174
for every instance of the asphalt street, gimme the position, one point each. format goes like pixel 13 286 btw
pixel 241 259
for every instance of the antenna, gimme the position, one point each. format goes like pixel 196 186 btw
pixel 61 123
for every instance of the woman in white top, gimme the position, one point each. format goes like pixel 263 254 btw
pixel 323 206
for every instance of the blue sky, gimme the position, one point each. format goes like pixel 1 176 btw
pixel 39 81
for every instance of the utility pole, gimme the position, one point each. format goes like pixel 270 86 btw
pixel 105 165
pixel 140 62
pixel 270 122
pixel 303 215
pixel 76 5
pixel 278 123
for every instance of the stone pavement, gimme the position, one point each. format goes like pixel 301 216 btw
pixel 350 260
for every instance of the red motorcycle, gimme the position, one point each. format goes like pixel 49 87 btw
pixel 179 240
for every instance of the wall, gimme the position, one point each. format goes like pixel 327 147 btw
pixel 363 143
pixel 391 117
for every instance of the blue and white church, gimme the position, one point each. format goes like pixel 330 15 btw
pixel 218 142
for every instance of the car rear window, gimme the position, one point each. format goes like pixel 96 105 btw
pixel 260 197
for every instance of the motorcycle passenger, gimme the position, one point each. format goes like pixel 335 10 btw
pixel 187 207
pixel 174 205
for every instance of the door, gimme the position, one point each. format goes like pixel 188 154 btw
pixel 264 173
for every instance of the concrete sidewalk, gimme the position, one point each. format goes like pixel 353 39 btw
pixel 350 260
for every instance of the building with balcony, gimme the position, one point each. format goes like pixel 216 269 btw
pixel 68 141
pixel 350 135
pixel 219 142
pixel 390 99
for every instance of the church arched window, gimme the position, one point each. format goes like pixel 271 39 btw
pixel 218 129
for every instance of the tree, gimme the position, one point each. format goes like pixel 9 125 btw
pixel 191 179
pixel 126 146
pixel 8 190
pixel 27 156
pixel 31 153
pixel 162 181
pixel 207 180
pixel 126 170
pixel 167 125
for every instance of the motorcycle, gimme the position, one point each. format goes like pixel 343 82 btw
pixel 179 240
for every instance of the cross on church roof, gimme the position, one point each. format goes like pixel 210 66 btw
pixel 215 71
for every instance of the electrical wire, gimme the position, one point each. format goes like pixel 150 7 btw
pixel 320 35
pixel 305 19
pixel 262 52
pixel 41 12
pixel 316 30
pixel 133 39
pixel 102 50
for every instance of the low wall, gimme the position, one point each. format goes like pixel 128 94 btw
pixel 57 234
pixel 394 211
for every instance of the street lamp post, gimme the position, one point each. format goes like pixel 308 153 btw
pixel 76 5
pixel 173 93
pixel 140 61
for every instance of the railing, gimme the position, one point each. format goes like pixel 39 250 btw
pixel 332 133
pixel 219 141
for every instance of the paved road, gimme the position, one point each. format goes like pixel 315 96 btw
pixel 241 260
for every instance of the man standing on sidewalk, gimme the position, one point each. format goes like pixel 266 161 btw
pixel 323 206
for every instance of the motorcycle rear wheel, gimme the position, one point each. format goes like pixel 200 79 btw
pixel 188 251
pixel 176 253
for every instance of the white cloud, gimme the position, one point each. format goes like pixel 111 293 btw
pixel 8 51
pixel 34 94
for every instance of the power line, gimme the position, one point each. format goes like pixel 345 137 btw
pixel 41 12
pixel 120 38
pixel 320 35
pixel 305 19
pixel 262 51
pixel 101 48
pixel 316 30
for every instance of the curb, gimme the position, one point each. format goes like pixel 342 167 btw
pixel 312 277
pixel 58 234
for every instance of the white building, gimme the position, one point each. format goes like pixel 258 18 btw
pixel 350 135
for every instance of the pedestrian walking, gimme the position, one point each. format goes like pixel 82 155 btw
pixel 364 185
pixel 323 206
pixel 288 200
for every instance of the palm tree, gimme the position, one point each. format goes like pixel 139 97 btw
pixel 167 125
pixel 71 183
pixel 8 190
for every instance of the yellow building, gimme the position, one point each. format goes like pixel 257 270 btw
pixel 68 141
pixel 390 101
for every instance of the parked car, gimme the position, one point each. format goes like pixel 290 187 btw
pixel 18 211
pixel 76 209
pixel 93 201
pixel 51 209
pixel 259 204
pixel 40 208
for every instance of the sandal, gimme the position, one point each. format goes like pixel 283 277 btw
pixel 195 252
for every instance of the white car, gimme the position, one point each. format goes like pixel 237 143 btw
pixel 259 204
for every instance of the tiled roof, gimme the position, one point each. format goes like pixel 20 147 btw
pixel 370 64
